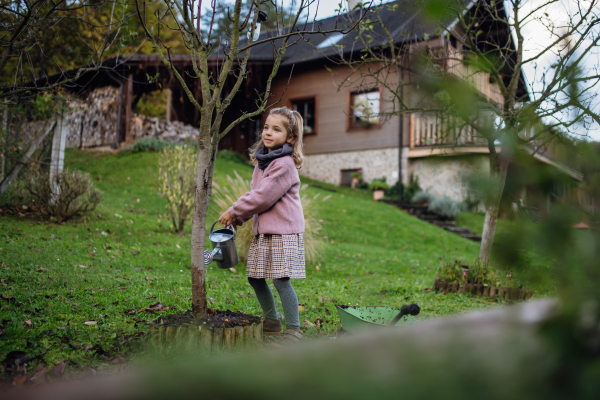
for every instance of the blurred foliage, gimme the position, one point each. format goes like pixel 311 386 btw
pixel 74 37
pixel 153 104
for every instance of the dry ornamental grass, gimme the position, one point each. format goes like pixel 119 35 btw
pixel 225 196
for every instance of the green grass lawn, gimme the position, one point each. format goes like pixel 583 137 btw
pixel 124 257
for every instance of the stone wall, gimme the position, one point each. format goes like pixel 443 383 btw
pixel 449 176
pixel 375 164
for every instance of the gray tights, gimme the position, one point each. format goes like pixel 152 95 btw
pixel 289 300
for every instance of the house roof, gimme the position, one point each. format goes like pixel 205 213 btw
pixel 404 20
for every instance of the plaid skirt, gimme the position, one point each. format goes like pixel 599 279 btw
pixel 276 256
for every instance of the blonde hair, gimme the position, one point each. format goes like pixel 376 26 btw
pixel 294 124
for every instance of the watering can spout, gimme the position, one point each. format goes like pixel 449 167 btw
pixel 215 255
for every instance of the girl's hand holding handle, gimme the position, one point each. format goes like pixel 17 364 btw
pixel 226 219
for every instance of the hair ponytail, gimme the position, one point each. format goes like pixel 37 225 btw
pixel 295 128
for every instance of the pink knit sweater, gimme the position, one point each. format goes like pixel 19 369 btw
pixel 273 200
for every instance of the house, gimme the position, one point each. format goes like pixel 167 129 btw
pixel 344 127
pixel 344 130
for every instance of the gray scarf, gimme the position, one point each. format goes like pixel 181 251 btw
pixel 264 158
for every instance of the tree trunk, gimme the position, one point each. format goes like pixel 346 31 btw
pixel 501 163
pixel 207 150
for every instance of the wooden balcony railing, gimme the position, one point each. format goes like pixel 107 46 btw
pixel 433 130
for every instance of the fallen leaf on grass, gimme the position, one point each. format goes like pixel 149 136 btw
pixel 122 288
pixel 177 245
pixel 74 346
pixel 95 304
pixel 135 252
pixel 91 323
pixel 327 311
pixel 308 324
pixel 156 306
pixel 187 266
pixel 136 319
pixel 59 370
pixel 28 323
pixel 149 278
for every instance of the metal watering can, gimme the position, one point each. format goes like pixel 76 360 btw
pixel 224 250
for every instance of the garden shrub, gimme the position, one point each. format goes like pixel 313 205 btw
pixel 66 195
pixel 411 189
pixel 408 191
pixel 378 184
pixel 17 195
pixel 477 273
pixel 147 144
pixel 177 172
pixel 392 192
pixel 451 271
pixel 423 198
pixel 485 274
pixel 225 195
pixel 445 207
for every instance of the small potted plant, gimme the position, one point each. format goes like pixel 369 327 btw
pixel 378 186
pixel 356 178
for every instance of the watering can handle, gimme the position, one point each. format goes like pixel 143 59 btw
pixel 232 228
pixel 211 228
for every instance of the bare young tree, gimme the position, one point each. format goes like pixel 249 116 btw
pixel 471 69
pixel 231 60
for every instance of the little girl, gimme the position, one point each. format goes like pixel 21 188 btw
pixel 277 250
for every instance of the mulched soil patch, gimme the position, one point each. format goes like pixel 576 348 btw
pixel 19 211
pixel 216 318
